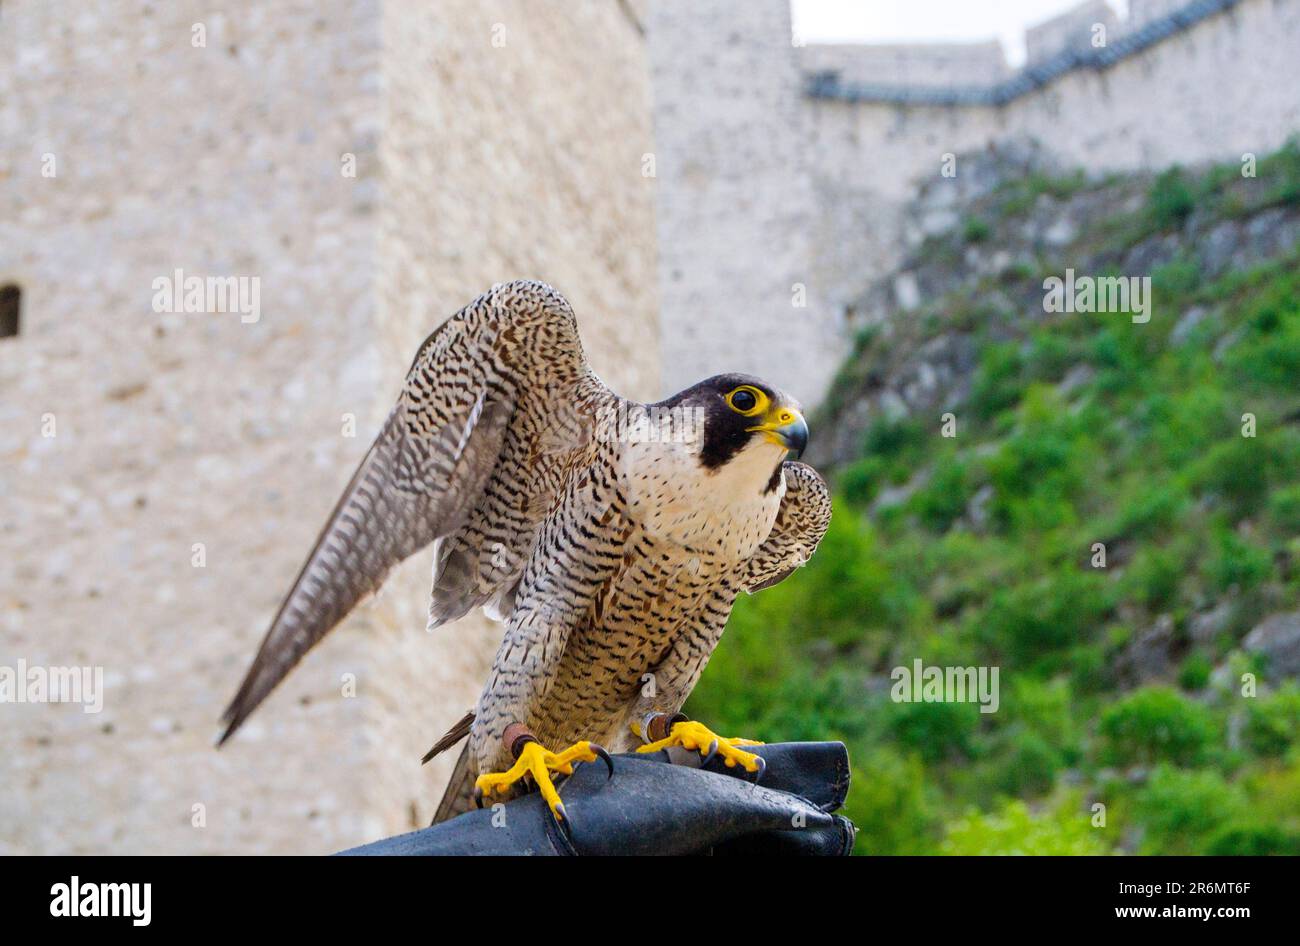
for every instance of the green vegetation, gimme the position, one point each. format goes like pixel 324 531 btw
pixel 1172 200
pixel 989 561
pixel 976 230
pixel 1019 196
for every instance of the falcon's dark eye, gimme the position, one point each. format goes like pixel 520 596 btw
pixel 745 400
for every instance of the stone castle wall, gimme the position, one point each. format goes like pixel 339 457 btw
pixel 474 163
pixel 735 199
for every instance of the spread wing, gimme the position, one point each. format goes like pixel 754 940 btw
pixel 801 522
pixel 485 386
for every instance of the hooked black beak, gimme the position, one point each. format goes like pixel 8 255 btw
pixel 787 428
pixel 794 435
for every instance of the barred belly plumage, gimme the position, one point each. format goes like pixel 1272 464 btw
pixel 608 664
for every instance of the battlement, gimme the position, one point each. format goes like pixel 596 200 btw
pixel 908 65
pixel 967 74
pixel 1071 31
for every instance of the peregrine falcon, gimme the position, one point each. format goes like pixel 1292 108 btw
pixel 609 537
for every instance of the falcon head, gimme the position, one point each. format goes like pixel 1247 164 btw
pixel 746 422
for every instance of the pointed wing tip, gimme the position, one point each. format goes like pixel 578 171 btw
pixel 230 721
pixel 241 706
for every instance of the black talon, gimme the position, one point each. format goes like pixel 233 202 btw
pixel 478 797
pixel 604 757
pixel 708 756
pixel 560 818
pixel 762 767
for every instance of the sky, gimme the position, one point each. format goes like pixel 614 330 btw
pixel 891 21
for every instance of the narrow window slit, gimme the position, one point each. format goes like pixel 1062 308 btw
pixel 10 301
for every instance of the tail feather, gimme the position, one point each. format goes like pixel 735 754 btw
pixel 453 736
pixel 459 796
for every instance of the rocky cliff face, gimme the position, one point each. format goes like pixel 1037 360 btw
pixel 981 244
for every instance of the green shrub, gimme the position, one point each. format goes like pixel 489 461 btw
pixel 935 730
pixel 1050 356
pixel 860 481
pixel 1284 509
pixel 889 806
pixel 1044 706
pixel 1154 577
pixel 1237 470
pixel 976 230
pixel 1030 624
pixel 1021 193
pixel 1170 200
pixel 1152 510
pixel 1156 724
pixel 1234 562
pixel 1175 278
pixel 998 384
pixel 1254 840
pixel 886 438
pixel 1273 722
pixel 1265 356
pixel 1282 170
pixel 1089 672
pixel 1180 811
pixel 1029 765
pixel 1195 672
pixel 943 499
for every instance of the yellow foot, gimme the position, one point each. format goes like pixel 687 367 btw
pixel 539 762
pixel 692 735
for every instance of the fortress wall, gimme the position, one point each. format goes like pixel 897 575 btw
pixel 176 429
pixel 474 164
pixel 734 199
